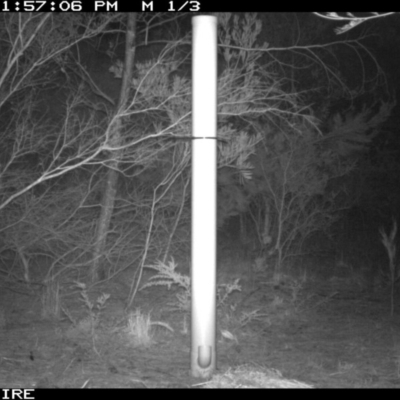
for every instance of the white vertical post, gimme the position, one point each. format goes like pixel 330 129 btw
pixel 204 151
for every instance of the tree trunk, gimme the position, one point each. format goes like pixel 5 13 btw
pixel 98 270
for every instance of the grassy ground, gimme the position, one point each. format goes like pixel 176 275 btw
pixel 324 331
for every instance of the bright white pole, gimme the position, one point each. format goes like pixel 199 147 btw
pixel 204 151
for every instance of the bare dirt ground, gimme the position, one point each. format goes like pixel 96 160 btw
pixel 323 332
